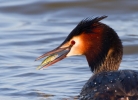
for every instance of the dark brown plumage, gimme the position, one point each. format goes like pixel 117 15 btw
pixel 111 85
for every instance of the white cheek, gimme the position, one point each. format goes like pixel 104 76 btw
pixel 75 49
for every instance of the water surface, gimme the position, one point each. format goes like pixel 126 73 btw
pixel 29 28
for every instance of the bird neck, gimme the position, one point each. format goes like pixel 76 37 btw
pixel 108 56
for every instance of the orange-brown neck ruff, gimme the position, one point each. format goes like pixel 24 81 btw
pixel 102 48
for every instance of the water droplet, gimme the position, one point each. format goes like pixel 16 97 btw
pixel 95 90
pixel 107 88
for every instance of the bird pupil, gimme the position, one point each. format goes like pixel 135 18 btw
pixel 72 42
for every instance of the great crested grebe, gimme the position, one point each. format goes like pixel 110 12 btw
pixel 103 50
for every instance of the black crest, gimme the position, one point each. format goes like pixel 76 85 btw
pixel 84 26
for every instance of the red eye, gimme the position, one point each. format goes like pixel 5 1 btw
pixel 72 42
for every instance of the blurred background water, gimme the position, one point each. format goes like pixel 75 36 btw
pixel 29 28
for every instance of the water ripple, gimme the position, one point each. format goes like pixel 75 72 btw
pixel 31 28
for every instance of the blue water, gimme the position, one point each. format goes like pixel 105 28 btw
pixel 30 28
